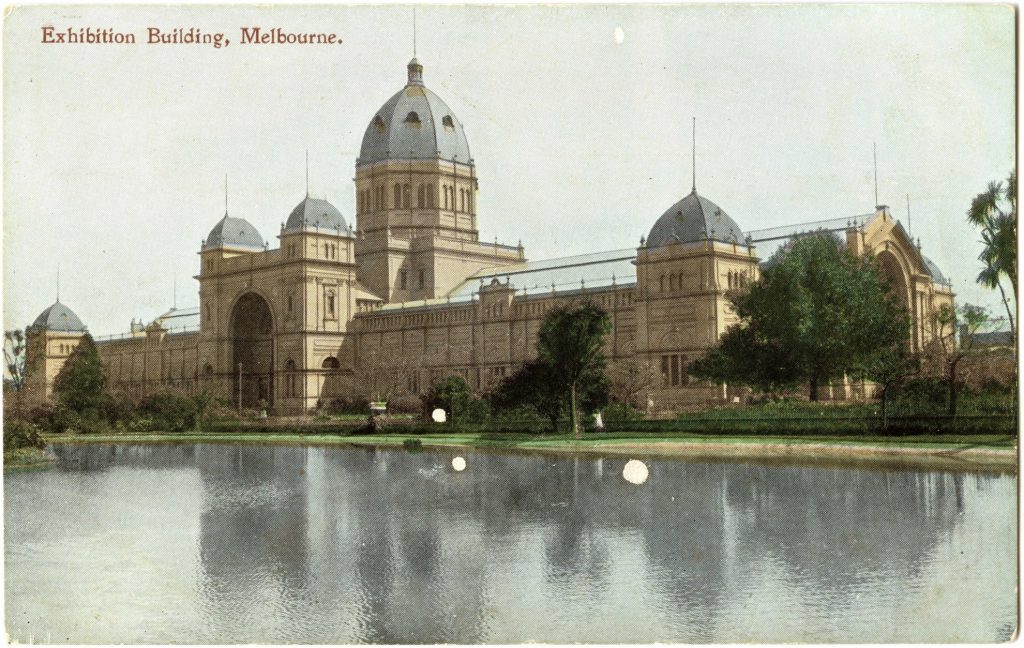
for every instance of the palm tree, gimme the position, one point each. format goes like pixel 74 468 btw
pixel 995 212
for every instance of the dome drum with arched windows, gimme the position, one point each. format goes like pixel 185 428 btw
pixel 414 124
pixel 693 219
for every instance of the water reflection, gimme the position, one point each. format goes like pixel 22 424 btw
pixel 239 544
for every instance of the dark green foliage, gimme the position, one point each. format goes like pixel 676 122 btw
pixel 171 412
pixel 537 387
pixel 413 445
pixel 816 314
pixel 478 411
pixel 453 396
pixel 21 434
pixel 570 342
pixel 621 413
pixel 79 385
pixel 994 212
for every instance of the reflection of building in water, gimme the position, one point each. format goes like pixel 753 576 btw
pixel 253 547
pixel 409 288
pixel 342 546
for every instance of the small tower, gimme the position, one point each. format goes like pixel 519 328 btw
pixel 49 341
pixel 416 190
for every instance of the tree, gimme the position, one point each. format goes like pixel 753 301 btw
pixel 452 395
pixel 570 341
pixel 382 374
pixel 80 384
pixel 538 384
pixel 890 367
pixel 944 355
pixel 629 381
pixel 14 357
pixel 995 212
pixel 816 314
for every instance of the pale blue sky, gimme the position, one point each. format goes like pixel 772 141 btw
pixel 115 156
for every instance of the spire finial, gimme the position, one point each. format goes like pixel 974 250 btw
pixel 307 173
pixel 58 282
pixel 225 194
pixel 694 165
pixel 874 155
pixel 174 298
pixel 414 32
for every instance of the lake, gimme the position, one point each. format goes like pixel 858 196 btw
pixel 285 544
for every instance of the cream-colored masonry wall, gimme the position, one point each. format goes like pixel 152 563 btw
pixel 151 361
pixel 45 355
pixel 482 342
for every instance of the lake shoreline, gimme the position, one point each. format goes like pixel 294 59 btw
pixel 841 452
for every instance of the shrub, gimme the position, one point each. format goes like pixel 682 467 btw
pixel 412 444
pixel 621 412
pixel 525 419
pixel 22 434
pixel 170 412
pixel 478 411
pixel 405 404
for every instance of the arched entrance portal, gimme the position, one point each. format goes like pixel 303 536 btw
pixel 252 328
pixel 898 286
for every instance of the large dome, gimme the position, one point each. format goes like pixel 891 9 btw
pixel 58 318
pixel 414 125
pixel 315 213
pixel 694 218
pixel 234 233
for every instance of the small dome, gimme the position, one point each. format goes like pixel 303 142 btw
pixel 415 124
pixel 934 271
pixel 694 218
pixel 234 233
pixel 315 213
pixel 58 318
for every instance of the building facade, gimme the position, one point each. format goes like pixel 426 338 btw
pixel 409 294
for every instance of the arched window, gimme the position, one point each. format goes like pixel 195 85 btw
pixel 421 196
pixel 671 283
pixel 378 123
pixel 330 362
pixel 406 195
pixel 679 281
pixel 330 304
pixel 662 283
pixel 430 196
pixel 412 118
pixel 289 303
pixel 448 122
pixel 398 195
pixel 289 365
pixel 208 370
pixel 462 200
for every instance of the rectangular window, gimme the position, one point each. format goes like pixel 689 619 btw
pixel 421 278
pixel 675 370
pixel 664 370
pixel 684 377
pixel 403 279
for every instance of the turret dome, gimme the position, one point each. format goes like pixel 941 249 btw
pixel 234 233
pixel 694 218
pixel 58 317
pixel 415 124
pixel 315 213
